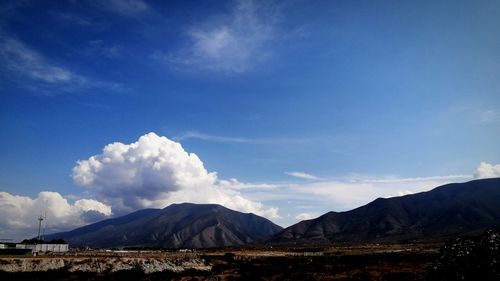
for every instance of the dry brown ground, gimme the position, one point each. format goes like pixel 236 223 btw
pixel 332 262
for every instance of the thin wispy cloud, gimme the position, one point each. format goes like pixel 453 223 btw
pixel 19 58
pixel 73 18
pixel 206 137
pixel 489 116
pixel 478 114
pixel 302 175
pixel 193 135
pixel 237 185
pixel 349 194
pixel 70 19
pixel 342 194
pixel 230 43
pixel 100 48
pixel 125 8
pixel 31 70
pixel 415 179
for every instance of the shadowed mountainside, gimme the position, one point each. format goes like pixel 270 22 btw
pixel 459 208
pixel 176 226
pixel 452 209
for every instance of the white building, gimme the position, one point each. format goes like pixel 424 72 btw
pixel 37 248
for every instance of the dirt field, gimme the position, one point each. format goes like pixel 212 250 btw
pixel 340 262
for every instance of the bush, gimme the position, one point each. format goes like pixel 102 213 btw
pixel 469 259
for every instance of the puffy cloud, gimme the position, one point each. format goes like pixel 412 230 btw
pixel 20 213
pixel 216 195
pixel 306 216
pixel 486 170
pixel 87 205
pixel 144 172
pixel 155 172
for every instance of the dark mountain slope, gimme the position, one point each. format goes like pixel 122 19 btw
pixel 446 210
pixel 178 225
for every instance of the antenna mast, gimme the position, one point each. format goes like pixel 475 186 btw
pixel 40 219
pixel 44 225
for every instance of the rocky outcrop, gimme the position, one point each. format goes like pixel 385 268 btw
pixel 102 264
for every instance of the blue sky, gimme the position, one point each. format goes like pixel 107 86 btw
pixel 311 106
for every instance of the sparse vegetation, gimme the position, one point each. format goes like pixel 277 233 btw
pixel 473 258
pixel 40 241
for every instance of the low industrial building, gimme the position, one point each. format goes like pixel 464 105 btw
pixel 31 249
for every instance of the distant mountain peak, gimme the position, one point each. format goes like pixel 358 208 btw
pixel 177 225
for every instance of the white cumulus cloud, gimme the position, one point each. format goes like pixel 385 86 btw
pixel 306 216
pixel 486 170
pixel 20 213
pixel 155 172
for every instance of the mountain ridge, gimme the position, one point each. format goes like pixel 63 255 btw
pixel 184 225
pixel 445 210
pixel 456 208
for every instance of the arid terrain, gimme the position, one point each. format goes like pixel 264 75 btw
pixel 459 258
pixel 339 262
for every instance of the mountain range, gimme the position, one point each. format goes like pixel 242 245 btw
pixel 452 209
pixel 176 226
pixel 448 210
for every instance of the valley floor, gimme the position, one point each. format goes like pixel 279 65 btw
pixel 340 262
